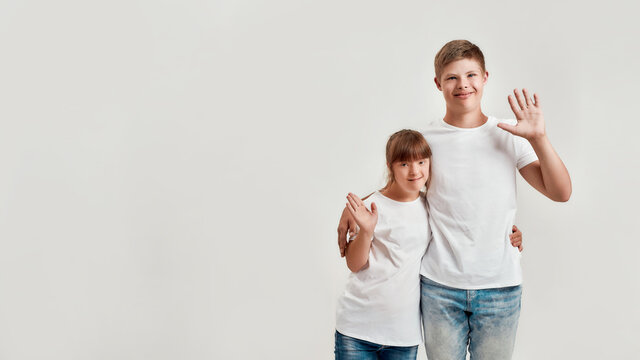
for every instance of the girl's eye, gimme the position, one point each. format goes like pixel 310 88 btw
pixel 403 164
pixel 421 162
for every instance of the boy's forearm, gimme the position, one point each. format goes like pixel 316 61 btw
pixel 357 253
pixel 555 175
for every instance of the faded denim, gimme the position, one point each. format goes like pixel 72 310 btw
pixel 484 320
pixel 349 348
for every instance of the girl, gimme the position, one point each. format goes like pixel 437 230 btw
pixel 378 316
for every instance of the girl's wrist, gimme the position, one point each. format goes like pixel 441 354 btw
pixel 365 233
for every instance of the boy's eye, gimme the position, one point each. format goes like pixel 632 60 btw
pixel 451 77
pixel 472 75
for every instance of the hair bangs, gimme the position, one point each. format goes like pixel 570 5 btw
pixel 408 146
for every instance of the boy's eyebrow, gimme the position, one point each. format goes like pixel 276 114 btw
pixel 452 74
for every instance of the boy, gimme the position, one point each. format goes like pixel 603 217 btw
pixel 470 275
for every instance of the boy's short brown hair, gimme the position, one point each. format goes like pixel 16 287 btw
pixel 456 50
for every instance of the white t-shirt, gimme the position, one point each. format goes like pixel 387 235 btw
pixel 381 303
pixel 472 205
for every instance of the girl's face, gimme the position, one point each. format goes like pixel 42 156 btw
pixel 411 176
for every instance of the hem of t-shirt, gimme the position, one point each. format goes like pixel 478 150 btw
pixel 377 341
pixel 466 286
pixel 527 159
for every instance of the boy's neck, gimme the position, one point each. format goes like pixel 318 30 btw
pixel 465 119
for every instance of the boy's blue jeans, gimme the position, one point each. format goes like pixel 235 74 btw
pixel 486 320
pixel 349 348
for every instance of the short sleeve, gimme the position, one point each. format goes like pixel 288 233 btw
pixel 524 152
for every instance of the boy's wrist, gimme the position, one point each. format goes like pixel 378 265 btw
pixel 538 140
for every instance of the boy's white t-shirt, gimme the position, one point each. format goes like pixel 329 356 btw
pixel 472 205
pixel 381 302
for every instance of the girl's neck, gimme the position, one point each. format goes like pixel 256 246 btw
pixel 395 192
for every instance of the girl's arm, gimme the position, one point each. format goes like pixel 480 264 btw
pixel 357 253
pixel 346 226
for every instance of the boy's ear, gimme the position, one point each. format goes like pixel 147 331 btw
pixel 486 76
pixel 435 79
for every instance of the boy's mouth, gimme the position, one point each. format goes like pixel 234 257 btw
pixel 463 95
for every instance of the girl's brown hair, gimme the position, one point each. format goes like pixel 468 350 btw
pixel 405 145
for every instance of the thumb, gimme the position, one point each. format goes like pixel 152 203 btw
pixel 374 208
pixel 508 128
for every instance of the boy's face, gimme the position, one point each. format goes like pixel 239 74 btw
pixel 461 83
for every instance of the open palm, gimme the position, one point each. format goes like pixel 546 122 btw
pixel 365 218
pixel 528 114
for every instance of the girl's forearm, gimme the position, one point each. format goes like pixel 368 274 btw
pixel 358 251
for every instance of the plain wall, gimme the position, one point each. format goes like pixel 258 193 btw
pixel 172 172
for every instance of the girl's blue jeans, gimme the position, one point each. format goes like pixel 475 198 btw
pixel 483 320
pixel 348 348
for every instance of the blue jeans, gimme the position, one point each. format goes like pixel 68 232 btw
pixel 484 320
pixel 348 348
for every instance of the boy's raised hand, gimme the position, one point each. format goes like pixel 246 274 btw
pixel 529 115
pixel 365 218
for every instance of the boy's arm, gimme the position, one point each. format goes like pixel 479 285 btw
pixel 357 254
pixel 548 174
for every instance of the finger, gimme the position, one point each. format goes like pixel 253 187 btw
pixel 374 208
pixel 514 106
pixel 351 209
pixel 353 227
pixel 520 248
pixel 342 231
pixel 342 241
pixel 352 202
pixel 357 199
pixel 536 99
pixel 507 127
pixel 521 102
pixel 527 97
pixel 514 228
pixel 516 243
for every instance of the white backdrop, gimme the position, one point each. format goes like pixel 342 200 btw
pixel 172 172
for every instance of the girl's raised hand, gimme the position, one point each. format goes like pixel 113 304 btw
pixel 365 218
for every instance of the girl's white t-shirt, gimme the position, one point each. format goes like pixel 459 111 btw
pixel 381 302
